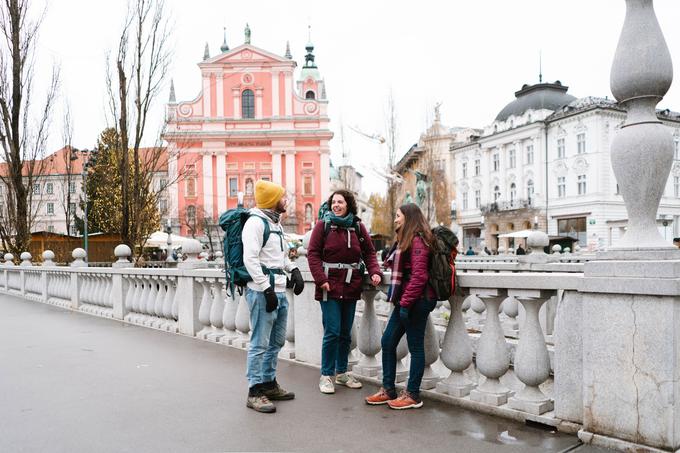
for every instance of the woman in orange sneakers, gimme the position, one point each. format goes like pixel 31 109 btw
pixel 413 301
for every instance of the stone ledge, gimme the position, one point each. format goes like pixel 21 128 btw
pixel 627 285
pixel 635 269
pixel 613 443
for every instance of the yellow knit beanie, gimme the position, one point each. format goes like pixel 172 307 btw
pixel 267 194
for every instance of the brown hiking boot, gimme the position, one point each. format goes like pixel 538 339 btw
pixel 275 392
pixel 260 403
pixel 381 397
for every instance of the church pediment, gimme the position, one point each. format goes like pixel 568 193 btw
pixel 246 53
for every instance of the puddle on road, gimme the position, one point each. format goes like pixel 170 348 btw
pixel 500 434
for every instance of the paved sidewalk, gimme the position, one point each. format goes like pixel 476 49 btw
pixel 72 382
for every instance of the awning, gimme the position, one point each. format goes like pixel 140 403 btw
pixel 516 234
pixel 160 239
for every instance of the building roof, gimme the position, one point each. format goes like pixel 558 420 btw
pixel 549 96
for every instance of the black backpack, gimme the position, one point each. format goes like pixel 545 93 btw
pixel 442 269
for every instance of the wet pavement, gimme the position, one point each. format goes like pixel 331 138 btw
pixel 72 382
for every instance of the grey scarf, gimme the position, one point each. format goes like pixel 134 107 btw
pixel 272 214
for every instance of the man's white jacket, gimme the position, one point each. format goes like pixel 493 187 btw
pixel 272 255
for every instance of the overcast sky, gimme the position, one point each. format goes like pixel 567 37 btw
pixel 470 55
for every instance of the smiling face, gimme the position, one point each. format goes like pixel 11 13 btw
pixel 339 205
pixel 398 220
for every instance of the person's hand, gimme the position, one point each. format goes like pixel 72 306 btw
pixel 403 314
pixel 326 286
pixel 376 279
pixel 298 281
pixel 271 299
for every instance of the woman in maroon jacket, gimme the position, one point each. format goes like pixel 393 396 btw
pixel 413 300
pixel 338 245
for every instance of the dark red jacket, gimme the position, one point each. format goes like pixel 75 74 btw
pixel 333 249
pixel 416 264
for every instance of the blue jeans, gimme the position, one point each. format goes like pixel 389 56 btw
pixel 267 338
pixel 415 337
pixel 338 317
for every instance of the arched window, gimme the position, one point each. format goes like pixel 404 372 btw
pixel 249 186
pixel 310 95
pixel 308 213
pixel 191 214
pixel 513 193
pixel 496 193
pixel 247 104
pixel 530 190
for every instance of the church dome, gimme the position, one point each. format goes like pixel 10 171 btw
pixel 549 96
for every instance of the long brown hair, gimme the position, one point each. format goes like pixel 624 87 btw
pixel 414 224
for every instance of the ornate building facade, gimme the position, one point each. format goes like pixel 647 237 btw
pixel 546 159
pixel 251 120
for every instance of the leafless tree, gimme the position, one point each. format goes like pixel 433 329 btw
pixel 134 81
pixel 391 141
pixel 23 130
pixel 69 156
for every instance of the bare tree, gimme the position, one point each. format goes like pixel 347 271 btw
pixel 140 68
pixel 23 134
pixel 69 157
pixel 391 141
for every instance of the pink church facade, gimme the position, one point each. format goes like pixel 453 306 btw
pixel 251 120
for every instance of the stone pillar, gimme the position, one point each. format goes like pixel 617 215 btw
pixel 630 303
pixel 119 286
pixel 307 312
pixel 208 185
pixel 288 95
pixel 219 94
pixel 275 93
pixel 221 170
pixel 291 176
pixel 206 95
pixel 276 166
pixel 236 99
pixel 258 103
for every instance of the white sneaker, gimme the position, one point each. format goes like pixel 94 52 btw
pixel 326 385
pixel 348 380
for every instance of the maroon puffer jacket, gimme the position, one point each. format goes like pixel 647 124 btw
pixel 416 286
pixel 334 250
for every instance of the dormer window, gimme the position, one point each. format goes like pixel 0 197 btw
pixel 310 95
pixel 247 104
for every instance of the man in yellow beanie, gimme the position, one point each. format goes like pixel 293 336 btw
pixel 266 294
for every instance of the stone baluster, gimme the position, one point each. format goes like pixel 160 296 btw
pixel 217 311
pixel 175 303
pixel 288 350
pixel 493 358
pixel 229 316
pixel 242 324
pixel 430 377
pixel 204 309
pixel 465 307
pixel 168 303
pixel 157 310
pixel 150 304
pixel 402 351
pixel 369 338
pixel 532 363
pixel 353 357
pixel 456 354
pixel 130 299
pixel 478 307
pixel 511 310
pixel 144 298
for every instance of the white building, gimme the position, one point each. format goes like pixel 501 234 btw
pixel 546 158
pixel 347 177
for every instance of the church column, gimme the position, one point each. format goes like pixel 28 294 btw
pixel 291 174
pixel 275 93
pixel 276 166
pixel 219 80
pixel 207 185
pixel 258 103
pixel 221 169
pixel 325 170
pixel 173 189
pixel 288 94
pixel 236 96
pixel 206 94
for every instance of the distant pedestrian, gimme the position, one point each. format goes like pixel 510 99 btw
pixel 676 242
pixel 487 251
pixel 520 251
pixel 470 252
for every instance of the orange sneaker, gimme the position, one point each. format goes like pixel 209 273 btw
pixel 405 401
pixel 381 397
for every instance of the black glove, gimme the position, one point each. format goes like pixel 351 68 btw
pixel 298 281
pixel 272 300
pixel 403 315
